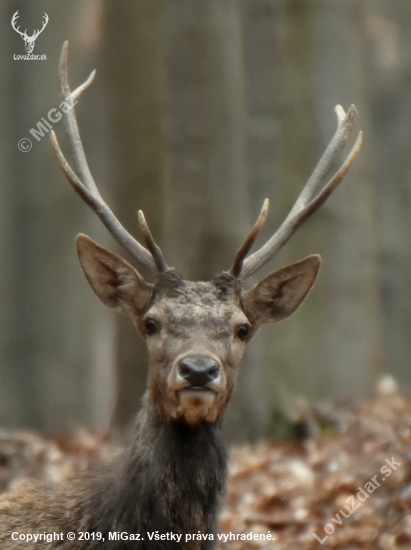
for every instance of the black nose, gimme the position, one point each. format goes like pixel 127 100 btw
pixel 199 370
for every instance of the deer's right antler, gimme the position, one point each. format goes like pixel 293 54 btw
pixel 84 184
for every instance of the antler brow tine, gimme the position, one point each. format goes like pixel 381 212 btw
pixel 313 194
pixel 248 243
pixel 84 183
pixel 152 246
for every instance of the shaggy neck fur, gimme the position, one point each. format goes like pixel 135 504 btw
pixel 170 480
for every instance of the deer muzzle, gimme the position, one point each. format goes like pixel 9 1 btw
pixel 199 383
pixel 199 371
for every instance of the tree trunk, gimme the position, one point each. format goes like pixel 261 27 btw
pixel 45 323
pixel 133 72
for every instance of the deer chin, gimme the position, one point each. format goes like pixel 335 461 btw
pixel 197 405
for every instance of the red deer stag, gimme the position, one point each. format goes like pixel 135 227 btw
pixel 167 486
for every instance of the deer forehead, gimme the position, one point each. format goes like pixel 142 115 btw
pixel 211 306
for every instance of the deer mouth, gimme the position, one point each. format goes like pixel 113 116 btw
pixel 198 389
pixel 197 404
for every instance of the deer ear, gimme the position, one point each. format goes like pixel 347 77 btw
pixel 114 281
pixel 280 293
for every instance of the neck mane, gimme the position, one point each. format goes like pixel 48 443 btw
pixel 171 479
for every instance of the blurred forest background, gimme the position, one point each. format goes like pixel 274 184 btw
pixel 200 110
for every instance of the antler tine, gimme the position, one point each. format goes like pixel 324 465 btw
pixel 70 122
pixel 151 244
pixel 311 197
pixel 248 243
pixel 345 125
pixel 85 185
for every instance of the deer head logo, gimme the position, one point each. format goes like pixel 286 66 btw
pixel 29 41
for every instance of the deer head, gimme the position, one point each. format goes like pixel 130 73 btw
pixel 29 41
pixel 196 332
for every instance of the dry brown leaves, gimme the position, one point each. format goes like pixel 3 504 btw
pixel 294 490
pixel 281 491
pixel 25 456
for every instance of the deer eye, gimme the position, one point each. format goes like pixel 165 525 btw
pixel 151 326
pixel 243 331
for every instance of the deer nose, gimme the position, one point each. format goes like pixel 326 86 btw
pixel 199 370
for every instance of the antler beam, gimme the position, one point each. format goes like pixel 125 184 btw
pixel 86 187
pixel 312 196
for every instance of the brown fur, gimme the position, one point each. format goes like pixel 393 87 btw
pixel 172 476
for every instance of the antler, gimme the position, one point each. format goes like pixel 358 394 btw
pixel 242 252
pixel 36 33
pixel 86 187
pixel 309 200
pixel 13 24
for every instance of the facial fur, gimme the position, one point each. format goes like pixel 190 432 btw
pixel 195 322
pixel 195 331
